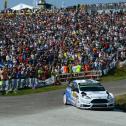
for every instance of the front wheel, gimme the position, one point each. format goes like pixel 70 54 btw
pixel 64 99
pixel 77 104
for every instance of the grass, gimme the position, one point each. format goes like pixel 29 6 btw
pixel 28 91
pixel 121 102
pixel 115 74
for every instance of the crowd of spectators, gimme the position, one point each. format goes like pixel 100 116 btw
pixel 60 41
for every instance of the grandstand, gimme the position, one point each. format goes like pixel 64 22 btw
pixel 69 43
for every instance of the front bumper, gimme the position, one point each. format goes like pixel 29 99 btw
pixel 97 106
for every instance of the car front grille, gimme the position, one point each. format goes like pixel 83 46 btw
pixel 99 101
pixel 100 105
pixel 82 105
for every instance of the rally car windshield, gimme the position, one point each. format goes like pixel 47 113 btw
pixel 92 88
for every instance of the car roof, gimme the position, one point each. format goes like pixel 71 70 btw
pixel 86 81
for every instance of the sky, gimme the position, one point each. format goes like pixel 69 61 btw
pixel 57 3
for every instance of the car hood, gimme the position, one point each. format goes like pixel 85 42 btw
pixel 97 94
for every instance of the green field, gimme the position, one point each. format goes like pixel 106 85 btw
pixel 116 74
pixel 121 102
pixel 28 91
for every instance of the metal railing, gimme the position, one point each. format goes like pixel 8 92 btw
pixel 94 74
pixel 13 85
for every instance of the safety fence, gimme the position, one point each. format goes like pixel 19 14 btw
pixel 17 84
pixel 82 75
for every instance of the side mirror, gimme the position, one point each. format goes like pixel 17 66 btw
pixel 107 92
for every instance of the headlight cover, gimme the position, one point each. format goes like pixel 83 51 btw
pixel 87 97
pixel 110 98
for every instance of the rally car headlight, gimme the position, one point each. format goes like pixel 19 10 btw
pixel 110 98
pixel 87 97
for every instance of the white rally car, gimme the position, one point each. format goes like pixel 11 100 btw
pixel 88 94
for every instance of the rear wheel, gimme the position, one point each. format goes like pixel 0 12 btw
pixel 64 99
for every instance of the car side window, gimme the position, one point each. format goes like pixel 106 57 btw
pixel 70 84
pixel 75 88
pixel 75 85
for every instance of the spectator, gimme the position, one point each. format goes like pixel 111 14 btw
pixel 60 41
